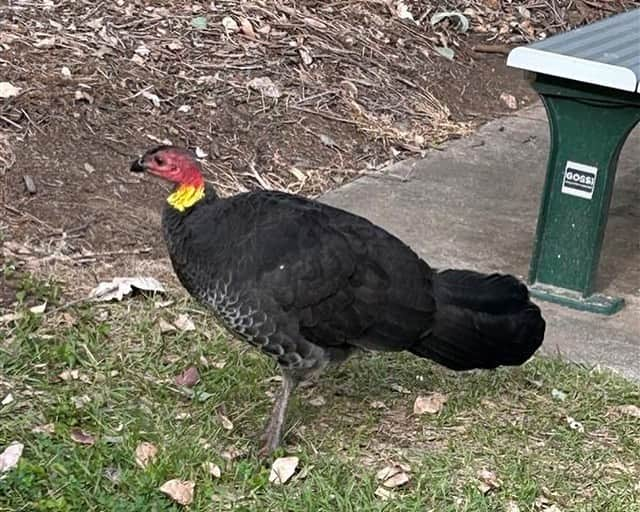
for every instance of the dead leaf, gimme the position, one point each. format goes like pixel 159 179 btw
pixel 393 476
pixel 431 404
pixel 283 469
pixel 180 491
pixel 82 437
pixel 39 309
pixel 488 481
pixel 315 23
pixel 265 86
pixel 165 326
pixel 119 287
pixel 80 401
pixel 83 96
pixel 383 494
pixel 403 12
pixel 400 389
pixel 145 454
pixel 231 454
pixel 377 404
pixel 247 28
pixel 230 25
pixel 328 141
pixel 227 424
pixel 112 474
pixel 175 46
pixel 629 410
pixel 509 100
pixel 396 480
pixel 8 90
pixel 7 399
pixel 184 323
pixel 511 506
pixel 10 456
pixel 153 98
pixel 214 470
pixel 305 55
pixel 318 401
pixel 137 59
pixel 46 429
pixel 68 375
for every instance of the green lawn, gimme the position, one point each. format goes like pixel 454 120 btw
pixel 511 422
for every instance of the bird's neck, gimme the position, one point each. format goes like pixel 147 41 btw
pixel 188 192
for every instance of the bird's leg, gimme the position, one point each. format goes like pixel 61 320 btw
pixel 273 432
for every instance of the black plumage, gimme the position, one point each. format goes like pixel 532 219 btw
pixel 308 283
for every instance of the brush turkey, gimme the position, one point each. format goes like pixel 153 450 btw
pixel 309 284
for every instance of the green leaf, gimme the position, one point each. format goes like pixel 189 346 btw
pixel 199 22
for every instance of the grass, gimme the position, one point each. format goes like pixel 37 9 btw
pixel 506 421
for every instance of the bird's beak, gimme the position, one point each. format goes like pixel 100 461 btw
pixel 138 165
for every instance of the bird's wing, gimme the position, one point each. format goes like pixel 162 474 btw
pixel 342 279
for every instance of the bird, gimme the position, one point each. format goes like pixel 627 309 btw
pixel 309 284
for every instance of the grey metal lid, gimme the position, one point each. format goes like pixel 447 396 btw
pixel 605 53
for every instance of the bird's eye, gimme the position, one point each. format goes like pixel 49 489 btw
pixel 158 160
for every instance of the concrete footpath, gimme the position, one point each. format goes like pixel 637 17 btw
pixel 475 204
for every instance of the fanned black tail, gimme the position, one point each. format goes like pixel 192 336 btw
pixel 482 321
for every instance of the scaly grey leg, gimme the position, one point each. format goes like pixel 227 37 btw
pixel 273 432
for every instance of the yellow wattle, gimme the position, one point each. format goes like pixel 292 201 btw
pixel 185 196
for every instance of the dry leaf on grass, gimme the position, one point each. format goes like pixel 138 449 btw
pixel 82 437
pixel 377 404
pixel 400 389
pixel 629 410
pixel 165 326
pixel 213 469
pixel 318 401
pixel 145 454
pixel 431 404
pixel 231 454
pixel 283 469
pixel 7 399
pixel 39 309
pixel 226 423
pixel 188 378
pixel 47 429
pixel 184 323
pixel 488 481
pixel 383 494
pixel 393 476
pixel 119 287
pixel 10 456
pixel 511 506
pixel 80 401
pixel 68 375
pixel 180 491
